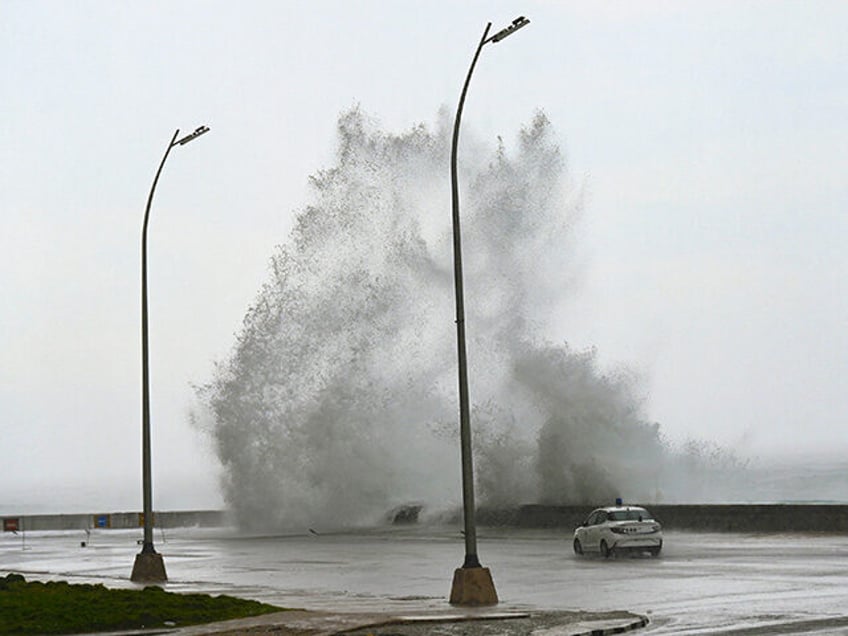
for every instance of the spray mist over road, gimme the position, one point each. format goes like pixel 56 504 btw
pixel 340 398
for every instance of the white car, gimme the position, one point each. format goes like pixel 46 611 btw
pixel 618 529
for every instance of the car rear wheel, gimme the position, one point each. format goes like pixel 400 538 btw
pixel 605 551
pixel 578 547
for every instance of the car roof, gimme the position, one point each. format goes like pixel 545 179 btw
pixel 620 508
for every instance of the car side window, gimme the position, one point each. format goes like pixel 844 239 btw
pixel 596 518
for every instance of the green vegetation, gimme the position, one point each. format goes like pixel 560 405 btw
pixel 61 608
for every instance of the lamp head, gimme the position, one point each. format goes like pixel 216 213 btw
pixel 199 131
pixel 519 22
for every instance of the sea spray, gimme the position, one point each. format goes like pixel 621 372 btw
pixel 339 400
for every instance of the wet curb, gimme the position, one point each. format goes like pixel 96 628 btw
pixel 308 623
pixel 642 621
pixel 584 627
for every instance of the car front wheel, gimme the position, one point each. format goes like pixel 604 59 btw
pixel 578 547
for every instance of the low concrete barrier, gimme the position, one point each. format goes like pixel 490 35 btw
pixel 831 518
pixel 115 520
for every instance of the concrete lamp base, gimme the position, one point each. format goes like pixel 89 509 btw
pixel 148 568
pixel 473 586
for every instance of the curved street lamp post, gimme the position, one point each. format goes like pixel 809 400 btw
pixel 149 565
pixel 472 583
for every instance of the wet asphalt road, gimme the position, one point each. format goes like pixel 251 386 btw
pixel 702 583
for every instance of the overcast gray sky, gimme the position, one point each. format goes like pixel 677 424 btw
pixel 710 137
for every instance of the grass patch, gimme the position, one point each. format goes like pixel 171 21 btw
pixel 62 608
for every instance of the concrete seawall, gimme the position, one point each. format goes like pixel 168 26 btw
pixel 704 518
pixel 114 520
pixel 831 518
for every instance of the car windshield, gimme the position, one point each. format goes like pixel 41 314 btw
pixel 634 514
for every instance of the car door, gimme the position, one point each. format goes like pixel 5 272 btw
pixel 591 542
pixel 597 530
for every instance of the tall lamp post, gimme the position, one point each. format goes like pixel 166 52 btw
pixel 149 566
pixel 472 583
